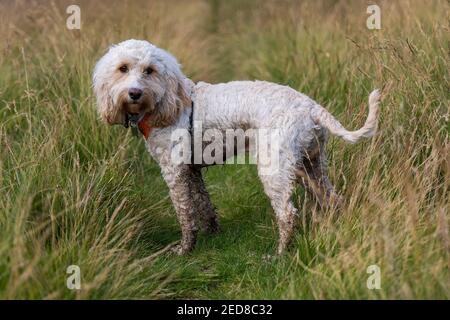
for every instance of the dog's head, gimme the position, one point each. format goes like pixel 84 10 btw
pixel 135 78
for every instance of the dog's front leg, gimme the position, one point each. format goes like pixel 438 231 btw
pixel 177 180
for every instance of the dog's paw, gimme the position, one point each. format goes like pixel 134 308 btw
pixel 269 258
pixel 179 250
pixel 212 229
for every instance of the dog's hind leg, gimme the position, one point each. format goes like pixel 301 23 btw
pixel 279 188
pixel 206 212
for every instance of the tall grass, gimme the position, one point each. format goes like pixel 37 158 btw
pixel 75 192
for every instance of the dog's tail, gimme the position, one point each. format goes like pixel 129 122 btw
pixel 323 117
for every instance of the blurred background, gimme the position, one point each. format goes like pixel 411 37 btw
pixel 76 192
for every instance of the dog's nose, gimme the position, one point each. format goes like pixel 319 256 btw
pixel 135 93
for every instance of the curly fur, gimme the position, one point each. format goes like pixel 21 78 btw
pixel 167 96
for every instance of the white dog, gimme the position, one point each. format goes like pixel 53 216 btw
pixel 140 84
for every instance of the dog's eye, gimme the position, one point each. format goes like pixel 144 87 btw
pixel 148 71
pixel 123 69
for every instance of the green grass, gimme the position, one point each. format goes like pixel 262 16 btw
pixel 74 191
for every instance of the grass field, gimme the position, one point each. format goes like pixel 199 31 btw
pixel 76 192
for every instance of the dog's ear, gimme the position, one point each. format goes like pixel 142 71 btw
pixel 105 106
pixel 104 103
pixel 175 100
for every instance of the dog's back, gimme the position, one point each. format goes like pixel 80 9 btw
pixel 248 104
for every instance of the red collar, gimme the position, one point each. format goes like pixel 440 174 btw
pixel 145 127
